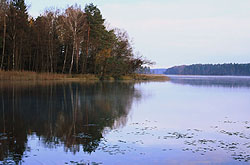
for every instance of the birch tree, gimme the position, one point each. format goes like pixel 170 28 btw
pixel 75 22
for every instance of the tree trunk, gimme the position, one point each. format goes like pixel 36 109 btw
pixel 4 36
pixel 30 59
pixel 20 59
pixel 65 58
pixel 51 54
pixel 8 65
pixel 104 68
pixel 77 56
pixel 87 52
pixel 72 58
pixel 13 52
pixel 14 46
pixel 47 59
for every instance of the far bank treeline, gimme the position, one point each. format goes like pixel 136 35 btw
pixel 210 69
pixel 74 40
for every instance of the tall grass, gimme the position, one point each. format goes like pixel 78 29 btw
pixel 34 76
pixel 150 77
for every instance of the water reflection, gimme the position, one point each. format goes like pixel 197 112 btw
pixel 217 81
pixel 72 115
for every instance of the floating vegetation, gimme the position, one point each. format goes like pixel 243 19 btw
pixel 191 140
pixel 176 135
pixel 82 162
pixel 83 136
pixel 112 149
pixel 239 134
pixel 237 147
pixel 227 140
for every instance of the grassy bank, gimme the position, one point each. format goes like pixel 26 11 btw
pixel 145 77
pixel 33 76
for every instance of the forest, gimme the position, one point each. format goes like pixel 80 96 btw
pixel 211 69
pixel 72 41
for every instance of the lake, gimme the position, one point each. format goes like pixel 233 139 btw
pixel 188 120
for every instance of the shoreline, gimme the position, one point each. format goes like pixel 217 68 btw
pixel 20 76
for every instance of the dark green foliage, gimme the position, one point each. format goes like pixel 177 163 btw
pixel 210 69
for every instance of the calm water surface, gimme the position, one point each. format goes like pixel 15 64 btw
pixel 191 119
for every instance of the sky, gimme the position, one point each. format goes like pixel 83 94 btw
pixel 175 32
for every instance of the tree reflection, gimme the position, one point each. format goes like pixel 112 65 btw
pixel 70 114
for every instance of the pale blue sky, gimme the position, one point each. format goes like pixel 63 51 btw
pixel 176 32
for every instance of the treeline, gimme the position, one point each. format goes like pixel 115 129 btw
pixel 210 69
pixel 74 40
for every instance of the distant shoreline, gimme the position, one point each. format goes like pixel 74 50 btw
pixel 210 70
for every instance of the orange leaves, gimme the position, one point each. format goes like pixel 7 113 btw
pixel 103 55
